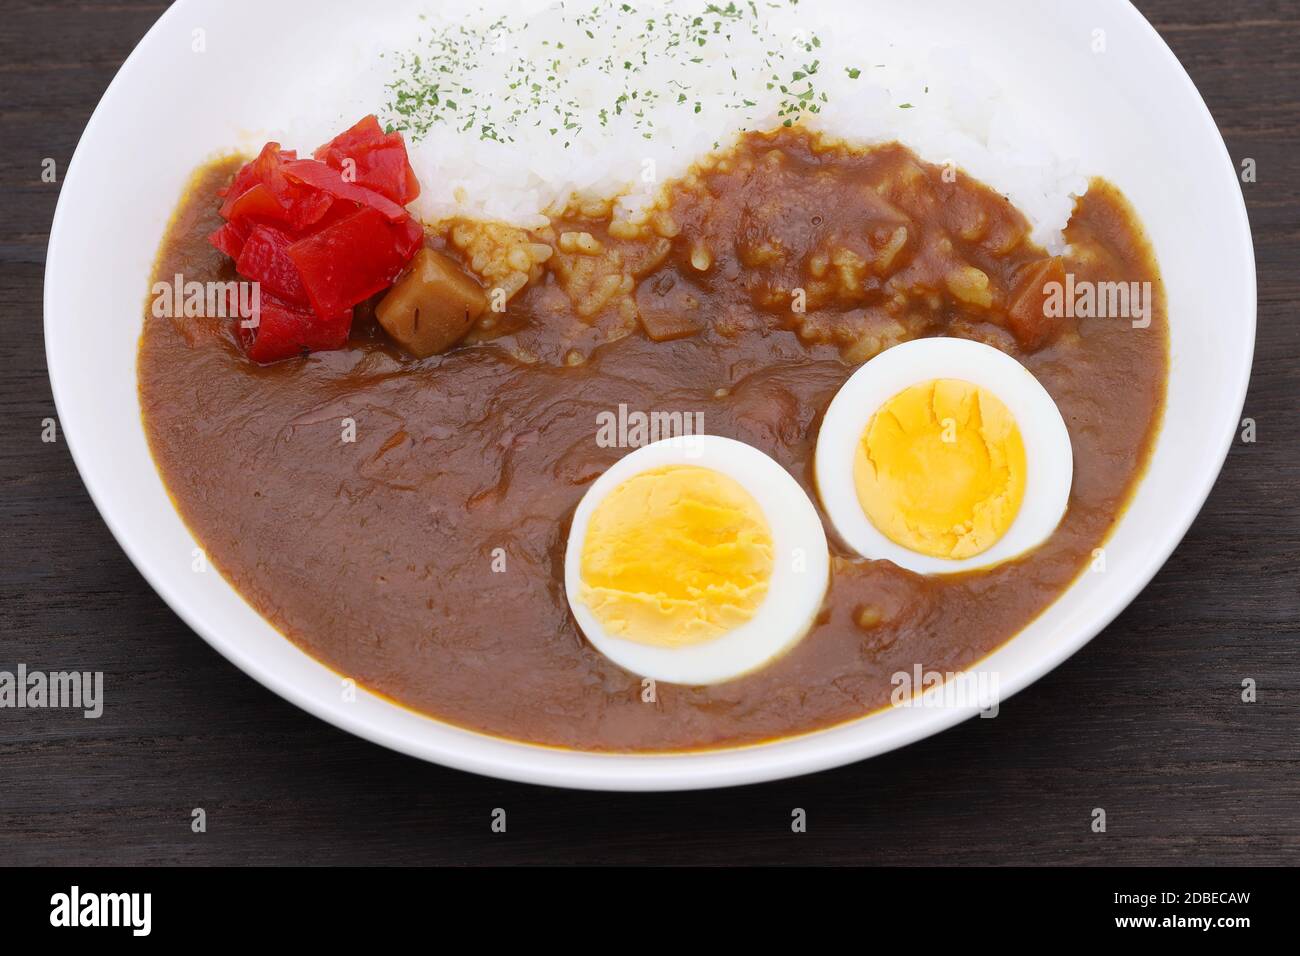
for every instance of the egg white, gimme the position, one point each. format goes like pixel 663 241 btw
pixel 1049 458
pixel 796 590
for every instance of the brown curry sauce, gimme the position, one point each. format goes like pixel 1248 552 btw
pixel 376 556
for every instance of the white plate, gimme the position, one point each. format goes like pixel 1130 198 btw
pixel 1134 114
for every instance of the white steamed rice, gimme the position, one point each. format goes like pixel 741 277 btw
pixel 933 99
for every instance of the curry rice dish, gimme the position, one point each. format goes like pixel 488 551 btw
pixel 427 558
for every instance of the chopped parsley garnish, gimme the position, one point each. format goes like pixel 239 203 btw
pixel 539 71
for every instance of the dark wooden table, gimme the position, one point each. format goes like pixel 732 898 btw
pixel 1146 722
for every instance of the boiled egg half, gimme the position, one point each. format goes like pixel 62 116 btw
pixel 695 560
pixel 943 455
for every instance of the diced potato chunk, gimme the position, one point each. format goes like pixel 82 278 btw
pixel 667 310
pixel 665 326
pixel 432 306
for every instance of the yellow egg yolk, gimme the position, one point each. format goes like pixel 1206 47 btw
pixel 940 469
pixel 676 556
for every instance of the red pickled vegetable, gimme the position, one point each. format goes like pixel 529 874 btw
pixel 354 258
pixel 321 177
pixel 319 235
pixel 255 204
pixel 262 192
pixel 229 239
pixel 263 259
pixel 263 169
pixel 378 159
pixel 288 331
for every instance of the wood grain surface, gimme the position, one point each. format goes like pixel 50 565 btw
pixel 1146 722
